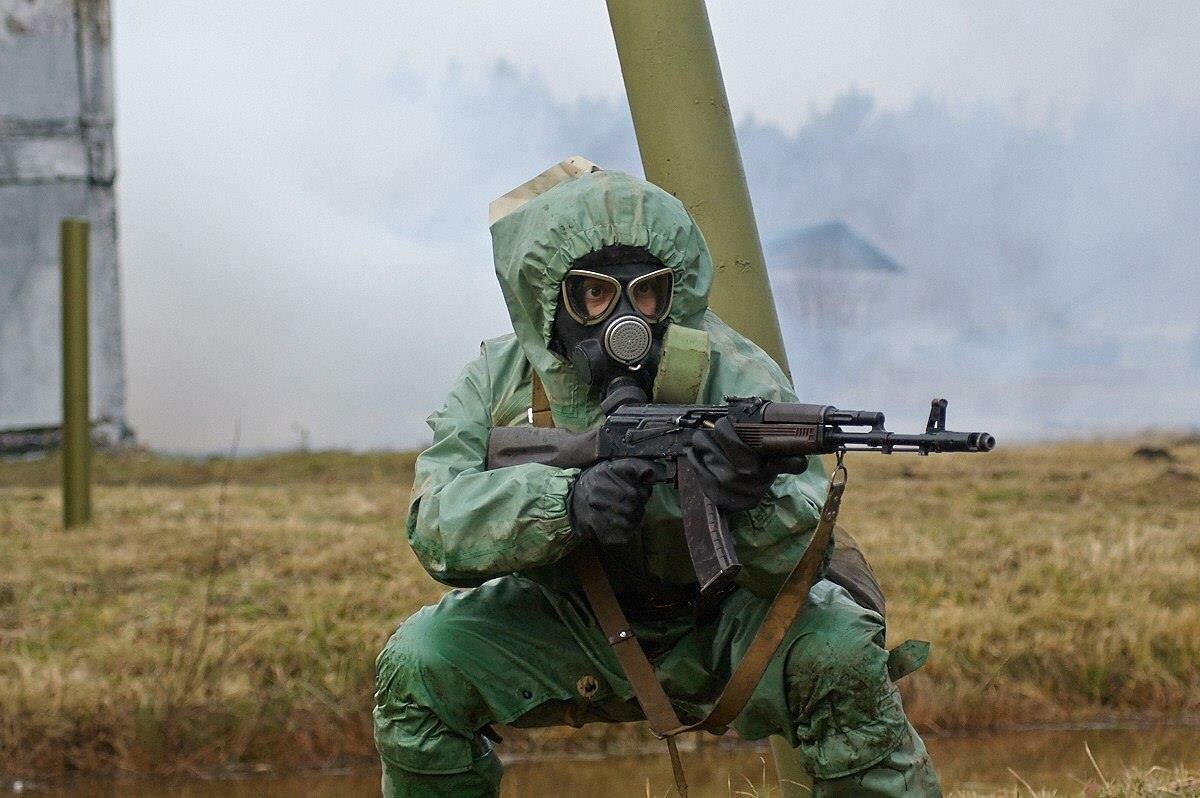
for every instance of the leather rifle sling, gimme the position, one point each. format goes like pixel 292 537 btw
pixel 539 404
pixel 788 602
pixel 590 573
pixel 617 630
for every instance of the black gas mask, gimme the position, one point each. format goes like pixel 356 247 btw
pixel 612 312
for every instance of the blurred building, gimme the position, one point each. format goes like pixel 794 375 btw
pixel 56 160
pixel 829 277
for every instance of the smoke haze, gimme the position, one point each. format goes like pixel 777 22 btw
pixel 305 245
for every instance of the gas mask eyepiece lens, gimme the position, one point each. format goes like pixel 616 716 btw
pixel 650 294
pixel 590 297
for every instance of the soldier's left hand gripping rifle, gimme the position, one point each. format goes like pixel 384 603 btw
pixel 633 427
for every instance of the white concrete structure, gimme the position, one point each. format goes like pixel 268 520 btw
pixel 56 160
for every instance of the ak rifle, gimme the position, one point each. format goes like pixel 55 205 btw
pixel 634 427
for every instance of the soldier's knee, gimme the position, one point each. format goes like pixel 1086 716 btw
pixel 841 660
pixel 840 647
pixel 846 711
pixel 414 648
pixel 423 717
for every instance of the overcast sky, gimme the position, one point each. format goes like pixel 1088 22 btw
pixel 303 186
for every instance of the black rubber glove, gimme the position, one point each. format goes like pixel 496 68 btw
pixel 732 475
pixel 608 500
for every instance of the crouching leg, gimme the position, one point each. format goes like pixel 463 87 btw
pixel 849 720
pixel 828 692
pixel 499 653
pixel 427 742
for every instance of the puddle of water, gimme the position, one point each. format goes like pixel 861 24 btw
pixel 1044 759
pixel 1058 759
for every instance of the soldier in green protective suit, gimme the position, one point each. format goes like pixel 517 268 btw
pixel 516 643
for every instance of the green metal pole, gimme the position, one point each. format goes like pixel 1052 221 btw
pixel 686 138
pixel 76 432
pixel 688 146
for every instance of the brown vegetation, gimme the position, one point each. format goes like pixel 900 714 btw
pixel 1156 782
pixel 1057 583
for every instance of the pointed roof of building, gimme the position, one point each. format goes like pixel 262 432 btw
pixel 830 246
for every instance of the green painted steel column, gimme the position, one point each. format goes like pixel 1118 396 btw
pixel 76 431
pixel 688 146
pixel 686 138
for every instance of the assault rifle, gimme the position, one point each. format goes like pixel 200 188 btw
pixel 663 432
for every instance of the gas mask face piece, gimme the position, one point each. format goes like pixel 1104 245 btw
pixel 611 318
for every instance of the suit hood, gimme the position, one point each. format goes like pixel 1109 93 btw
pixel 535 245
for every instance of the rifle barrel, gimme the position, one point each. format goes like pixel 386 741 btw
pixel 925 443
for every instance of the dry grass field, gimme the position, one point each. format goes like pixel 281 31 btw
pixel 186 632
pixel 1157 782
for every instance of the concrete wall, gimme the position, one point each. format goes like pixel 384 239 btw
pixel 56 160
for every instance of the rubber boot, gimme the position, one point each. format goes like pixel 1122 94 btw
pixel 481 781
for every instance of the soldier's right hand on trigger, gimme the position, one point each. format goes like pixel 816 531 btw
pixel 608 500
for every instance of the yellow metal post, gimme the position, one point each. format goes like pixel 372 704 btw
pixel 688 147
pixel 686 138
pixel 76 432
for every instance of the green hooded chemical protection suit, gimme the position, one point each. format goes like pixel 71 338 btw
pixel 518 645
